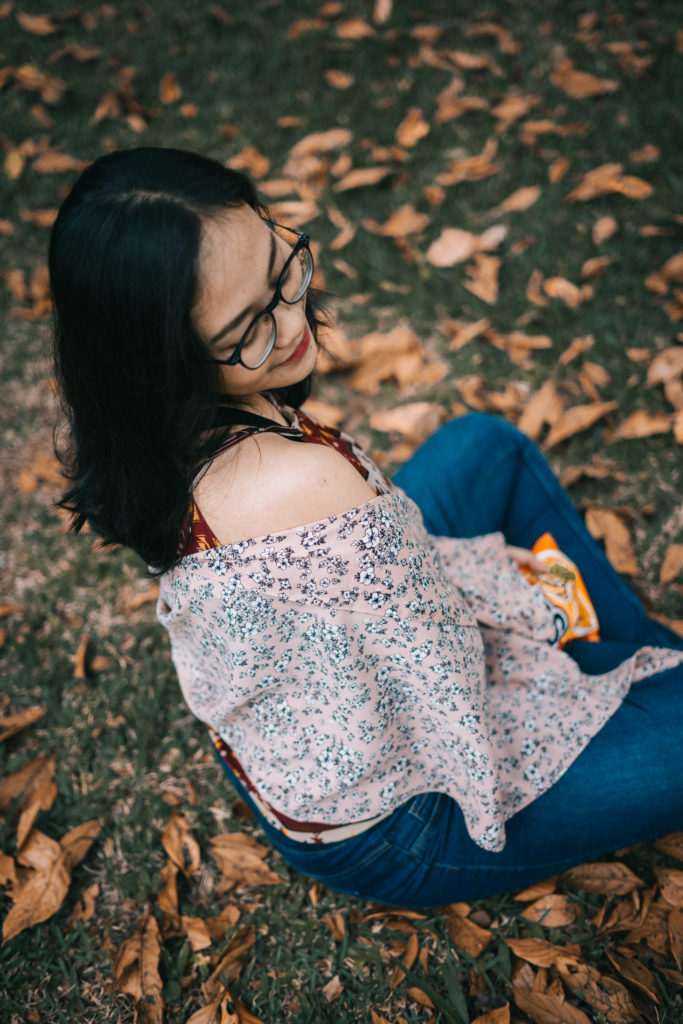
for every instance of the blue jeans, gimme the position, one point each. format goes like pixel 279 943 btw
pixel 478 475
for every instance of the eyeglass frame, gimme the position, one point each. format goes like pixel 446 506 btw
pixel 236 357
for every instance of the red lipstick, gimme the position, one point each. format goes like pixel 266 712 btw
pixel 301 348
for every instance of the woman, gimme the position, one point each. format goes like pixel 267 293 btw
pixel 392 702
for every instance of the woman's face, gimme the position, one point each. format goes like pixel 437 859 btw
pixel 240 261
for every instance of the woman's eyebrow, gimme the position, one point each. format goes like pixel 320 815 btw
pixel 240 316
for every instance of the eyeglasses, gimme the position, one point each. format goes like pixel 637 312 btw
pixel 258 340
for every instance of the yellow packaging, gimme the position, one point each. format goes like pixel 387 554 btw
pixel 563 586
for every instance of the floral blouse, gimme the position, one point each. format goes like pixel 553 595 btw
pixel 355 662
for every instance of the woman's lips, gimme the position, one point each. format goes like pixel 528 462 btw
pixel 300 350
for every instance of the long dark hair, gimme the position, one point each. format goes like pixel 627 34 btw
pixel 135 382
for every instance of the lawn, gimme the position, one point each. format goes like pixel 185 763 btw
pixel 494 198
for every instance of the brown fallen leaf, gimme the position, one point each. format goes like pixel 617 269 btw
pixel 471 168
pixel 240 859
pixel 571 294
pixel 36 24
pixel 38 850
pixel 506 42
pixel 636 974
pixel 608 178
pixel 361 177
pixel 354 28
pixel 412 128
pixel 85 907
pixel 551 911
pixel 8 872
pixel 408 959
pixel 130 601
pixel 579 84
pixel 606 525
pixel 603 229
pixel 672 566
pixel 78 841
pixel 672 272
pixel 578 418
pixel 514 106
pixel 676 935
pixel 466 935
pixel 518 345
pixel 404 221
pixel 536 951
pixel 42 799
pixel 336 925
pixel 498 1016
pixel 415 422
pixel 667 365
pixel 39 898
pixel 339 79
pixel 599 990
pixel 483 272
pixel 52 162
pixel 333 989
pixel 252 160
pixel 547 1009
pixel 460 332
pixel 180 845
pixel 25 782
pixel 610 877
pixel 41 218
pixel 670 882
pixel 136 970
pixel 671 844
pixel 520 200
pixel 644 424
pixel 169 90
pixel 12 724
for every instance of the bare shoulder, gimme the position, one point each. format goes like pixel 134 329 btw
pixel 268 483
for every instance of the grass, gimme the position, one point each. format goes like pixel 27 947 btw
pixel 126 746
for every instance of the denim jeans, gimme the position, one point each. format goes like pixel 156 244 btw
pixel 478 475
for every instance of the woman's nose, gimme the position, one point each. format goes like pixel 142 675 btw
pixel 289 321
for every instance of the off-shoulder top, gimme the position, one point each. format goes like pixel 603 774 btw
pixel 351 663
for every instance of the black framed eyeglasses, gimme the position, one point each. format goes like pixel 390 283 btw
pixel 258 340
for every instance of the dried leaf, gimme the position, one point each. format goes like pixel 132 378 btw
pixel 604 877
pixel 14 163
pixel 600 991
pixel 579 84
pixel 12 724
pixel 461 333
pixel 415 421
pixel 543 407
pixel 216 1012
pixel 36 24
pixel 80 667
pixel 468 936
pixel 404 221
pixel 136 970
pixel 676 935
pixel 78 841
pixel 412 128
pixel 85 907
pixel 8 872
pixel 339 79
pixel 452 246
pixel 644 424
pixel 608 178
pixel 361 177
pixel 180 845
pixel 534 892
pixel 41 218
pixel 240 859
pixel 251 160
pixel 547 1009
pixel 561 288
pixel 671 844
pixel 513 106
pixel 52 162
pixel 169 90
pixel 576 419
pixel 354 28
pixel 577 347
pixel 670 885
pixel 672 566
pixel 471 168
pixel 636 974
pixel 336 924
pixel 499 1016
pixel 333 989
pixel 606 525
pixel 558 169
pixel 483 272
pixel 505 40
pixel 603 229
pixel 38 850
pixel 520 200
pixel 131 601
pixel 39 898
pixel 27 781
pixel 552 911
pixel 537 951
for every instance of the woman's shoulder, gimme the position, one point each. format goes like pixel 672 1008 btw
pixel 268 483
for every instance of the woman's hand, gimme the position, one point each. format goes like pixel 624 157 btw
pixel 527 559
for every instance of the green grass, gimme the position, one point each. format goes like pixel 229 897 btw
pixel 125 742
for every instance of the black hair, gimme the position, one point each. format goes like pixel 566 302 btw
pixel 135 382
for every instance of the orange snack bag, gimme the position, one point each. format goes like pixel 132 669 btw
pixel 564 589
